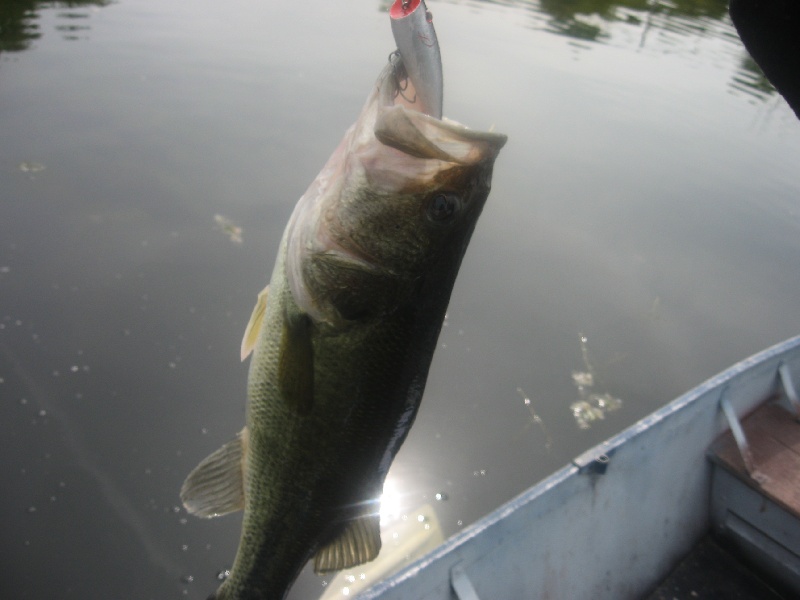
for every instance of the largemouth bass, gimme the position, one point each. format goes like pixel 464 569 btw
pixel 342 339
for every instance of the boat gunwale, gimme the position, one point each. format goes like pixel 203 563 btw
pixel 722 381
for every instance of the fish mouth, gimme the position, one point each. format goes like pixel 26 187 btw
pixel 398 148
pixel 393 149
pixel 410 96
pixel 407 134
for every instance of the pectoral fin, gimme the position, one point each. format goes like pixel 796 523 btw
pixel 296 364
pixel 360 542
pixel 254 325
pixel 216 486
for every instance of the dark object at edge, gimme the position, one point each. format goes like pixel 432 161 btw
pixel 770 30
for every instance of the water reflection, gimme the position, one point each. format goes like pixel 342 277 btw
pixel 750 80
pixel 591 406
pixel 535 420
pixel 664 26
pixel 659 25
pixel 594 19
pixel 19 21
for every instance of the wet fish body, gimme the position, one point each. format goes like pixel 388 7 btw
pixel 342 340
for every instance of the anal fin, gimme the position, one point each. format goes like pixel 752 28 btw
pixel 254 325
pixel 360 542
pixel 216 486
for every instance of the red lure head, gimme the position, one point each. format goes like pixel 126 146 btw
pixel 403 8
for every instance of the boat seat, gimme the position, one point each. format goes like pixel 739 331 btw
pixel 755 491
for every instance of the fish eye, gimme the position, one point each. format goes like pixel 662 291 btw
pixel 442 207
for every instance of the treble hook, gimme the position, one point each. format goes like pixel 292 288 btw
pixel 400 76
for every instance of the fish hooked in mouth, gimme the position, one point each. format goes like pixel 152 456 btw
pixel 343 336
pixel 396 156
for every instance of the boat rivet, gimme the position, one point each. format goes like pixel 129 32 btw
pixel 600 464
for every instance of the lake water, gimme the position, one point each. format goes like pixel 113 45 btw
pixel 641 235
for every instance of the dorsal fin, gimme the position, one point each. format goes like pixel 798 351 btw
pixel 360 542
pixel 216 486
pixel 254 325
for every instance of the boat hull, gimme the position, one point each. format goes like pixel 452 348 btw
pixel 612 523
